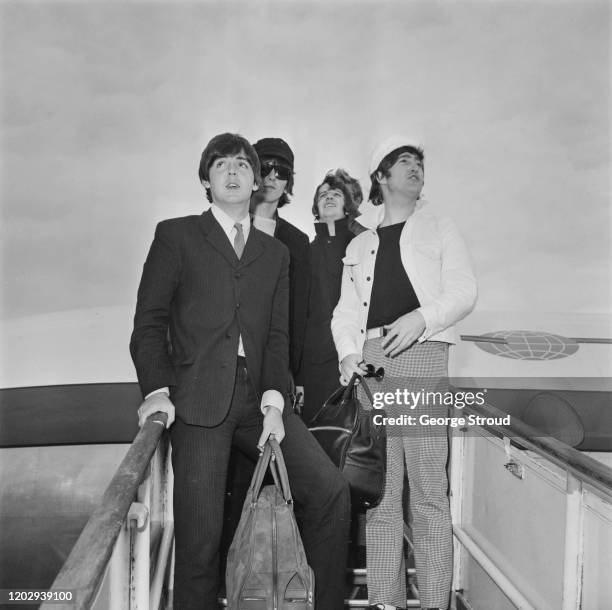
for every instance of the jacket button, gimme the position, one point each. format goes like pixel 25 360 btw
pixel 368 278
pixel 365 304
pixel 237 305
pixel 228 336
pixel 362 331
pixel 238 275
pixel 373 251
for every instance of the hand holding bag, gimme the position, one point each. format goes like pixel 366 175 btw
pixel 356 445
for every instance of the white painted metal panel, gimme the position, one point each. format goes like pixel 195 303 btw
pixel 597 570
pixel 519 523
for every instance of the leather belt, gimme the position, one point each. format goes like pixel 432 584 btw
pixel 375 333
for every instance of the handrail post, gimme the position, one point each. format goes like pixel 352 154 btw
pixel 119 585
pixel 457 472
pixel 574 544
pixel 140 543
pixel 165 552
pixel 85 567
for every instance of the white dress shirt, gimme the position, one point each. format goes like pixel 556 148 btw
pixel 266 225
pixel 227 224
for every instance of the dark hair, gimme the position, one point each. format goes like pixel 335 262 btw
pixel 284 198
pixel 350 188
pixel 227 145
pixel 376 196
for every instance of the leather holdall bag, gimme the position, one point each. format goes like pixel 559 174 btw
pixel 355 444
pixel 266 563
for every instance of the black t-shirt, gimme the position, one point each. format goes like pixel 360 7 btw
pixel 392 292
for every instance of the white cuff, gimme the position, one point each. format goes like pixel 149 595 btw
pixel 345 348
pixel 165 391
pixel 272 398
pixel 427 314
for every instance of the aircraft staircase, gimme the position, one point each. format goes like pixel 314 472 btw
pixel 532 520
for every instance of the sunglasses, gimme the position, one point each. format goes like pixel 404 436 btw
pixel 372 371
pixel 280 171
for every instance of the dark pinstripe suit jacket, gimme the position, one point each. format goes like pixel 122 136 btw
pixel 195 299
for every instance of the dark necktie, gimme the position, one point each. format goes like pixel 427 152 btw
pixel 239 240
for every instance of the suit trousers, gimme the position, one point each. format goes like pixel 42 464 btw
pixel 200 457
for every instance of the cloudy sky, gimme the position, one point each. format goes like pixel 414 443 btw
pixel 106 107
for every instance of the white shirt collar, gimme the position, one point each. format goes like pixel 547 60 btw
pixel 267 225
pixel 227 223
pixel 370 215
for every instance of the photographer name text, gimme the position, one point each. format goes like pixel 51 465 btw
pixel 427 420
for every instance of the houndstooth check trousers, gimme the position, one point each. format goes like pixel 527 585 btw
pixel 424 449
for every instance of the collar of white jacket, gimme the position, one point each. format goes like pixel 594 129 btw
pixel 370 215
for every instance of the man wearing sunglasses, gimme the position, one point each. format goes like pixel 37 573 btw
pixel 277 161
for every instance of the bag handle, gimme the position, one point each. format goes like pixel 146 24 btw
pixel 351 386
pixel 277 467
pixel 379 428
pixel 259 473
pixel 364 385
pixel 347 393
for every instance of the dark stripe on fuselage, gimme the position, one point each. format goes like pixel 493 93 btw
pixel 97 413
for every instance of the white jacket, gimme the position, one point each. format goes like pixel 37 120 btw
pixel 437 262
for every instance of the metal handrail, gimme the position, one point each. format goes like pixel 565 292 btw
pixel 83 570
pixel 582 466
pixel 581 473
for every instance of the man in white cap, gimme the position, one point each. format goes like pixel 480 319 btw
pixel 407 280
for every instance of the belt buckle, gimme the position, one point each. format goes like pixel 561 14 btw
pixel 377 333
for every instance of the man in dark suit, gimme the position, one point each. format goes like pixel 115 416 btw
pixel 210 347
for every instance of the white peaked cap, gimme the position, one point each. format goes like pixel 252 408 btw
pixel 388 146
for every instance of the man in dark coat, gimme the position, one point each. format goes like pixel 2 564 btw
pixel 210 348
pixel 335 207
pixel 277 162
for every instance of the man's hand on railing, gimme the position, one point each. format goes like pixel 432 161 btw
pixel 154 403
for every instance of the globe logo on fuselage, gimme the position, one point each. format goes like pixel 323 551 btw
pixel 529 345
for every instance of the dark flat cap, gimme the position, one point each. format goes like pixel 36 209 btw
pixel 274 147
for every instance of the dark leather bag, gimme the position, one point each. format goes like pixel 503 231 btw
pixel 266 564
pixel 356 445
